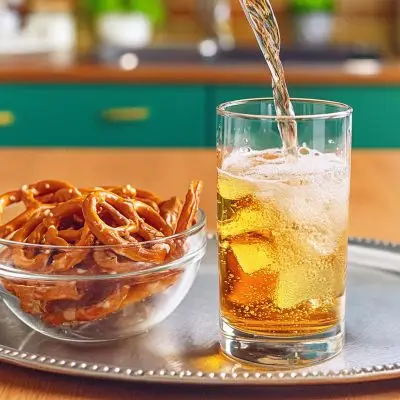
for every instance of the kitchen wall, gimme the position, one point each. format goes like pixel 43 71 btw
pixel 362 22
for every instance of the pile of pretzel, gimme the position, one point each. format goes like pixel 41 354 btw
pixel 66 230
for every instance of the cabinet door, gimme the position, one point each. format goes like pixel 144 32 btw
pixel 102 115
pixel 375 119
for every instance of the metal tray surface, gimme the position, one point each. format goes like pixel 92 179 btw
pixel 184 348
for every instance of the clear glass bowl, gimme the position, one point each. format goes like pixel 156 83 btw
pixel 104 297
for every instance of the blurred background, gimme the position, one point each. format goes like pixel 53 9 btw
pixel 97 90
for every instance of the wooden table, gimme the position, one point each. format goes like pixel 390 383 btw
pixel 375 212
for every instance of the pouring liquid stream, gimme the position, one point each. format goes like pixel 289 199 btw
pixel 265 27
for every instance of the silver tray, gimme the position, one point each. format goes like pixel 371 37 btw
pixel 184 349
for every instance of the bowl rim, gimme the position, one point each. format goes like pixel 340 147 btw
pixel 11 273
pixel 201 221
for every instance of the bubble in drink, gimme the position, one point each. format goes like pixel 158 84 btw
pixel 283 241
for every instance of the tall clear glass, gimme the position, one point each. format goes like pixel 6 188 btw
pixel 283 231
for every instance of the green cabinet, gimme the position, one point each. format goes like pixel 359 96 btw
pixel 103 115
pixel 134 115
pixel 376 108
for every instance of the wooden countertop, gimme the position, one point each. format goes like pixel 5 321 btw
pixel 375 212
pixel 256 73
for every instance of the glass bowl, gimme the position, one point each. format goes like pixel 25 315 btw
pixel 106 296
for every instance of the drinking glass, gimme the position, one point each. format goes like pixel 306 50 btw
pixel 283 231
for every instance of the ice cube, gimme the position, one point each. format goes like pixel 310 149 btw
pixel 253 255
pixel 231 188
pixel 323 239
pixel 245 220
pixel 255 287
pixel 310 278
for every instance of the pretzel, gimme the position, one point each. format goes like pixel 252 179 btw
pixel 24 257
pixel 68 259
pixel 152 217
pixel 59 196
pixel 150 203
pixel 29 193
pixel 121 208
pixel 65 211
pixel 43 228
pixel 186 219
pixel 118 236
pixel 8 199
pixel 16 223
pixel 42 292
pixel 96 311
pixel 70 235
pixel 129 192
pixel 145 194
pixel 33 196
pixel 109 261
pixel 190 207
pixel 142 291
pixel 147 232
pixel 170 211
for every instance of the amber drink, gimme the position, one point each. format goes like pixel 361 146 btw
pixel 282 227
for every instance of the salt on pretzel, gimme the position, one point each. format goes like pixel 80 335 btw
pixel 63 211
pixel 16 223
pixel 9 198
pixel 33 196
pixel 30 194
pixel 60 196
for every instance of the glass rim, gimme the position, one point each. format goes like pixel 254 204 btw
pixel 223 110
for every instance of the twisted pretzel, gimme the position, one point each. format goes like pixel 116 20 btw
pixel 122 212
pixel 120 235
